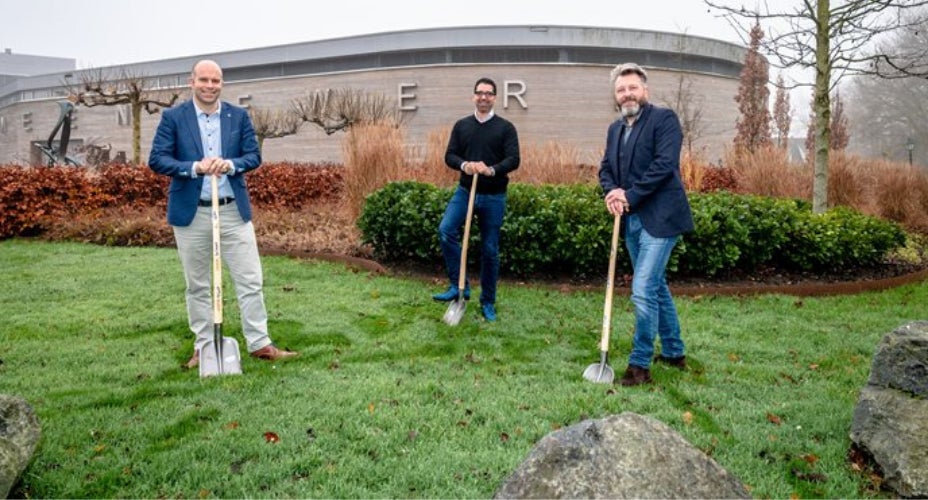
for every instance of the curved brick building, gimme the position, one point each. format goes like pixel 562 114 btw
pixel 553 84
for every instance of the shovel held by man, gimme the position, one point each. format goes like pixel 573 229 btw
pixel 601 372
pixel 457 306
pixel 220 356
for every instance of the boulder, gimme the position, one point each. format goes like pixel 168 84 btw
pixel 19 436
pixel 620 456
pixel 889 422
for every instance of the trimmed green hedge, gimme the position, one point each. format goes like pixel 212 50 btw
pixel 559 229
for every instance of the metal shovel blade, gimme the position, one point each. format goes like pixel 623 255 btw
pixel 600 373
pixel 226 360
pixel 455 311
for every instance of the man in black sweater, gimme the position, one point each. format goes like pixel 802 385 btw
pixel 485 145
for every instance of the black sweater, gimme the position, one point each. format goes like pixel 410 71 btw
pixel 494 142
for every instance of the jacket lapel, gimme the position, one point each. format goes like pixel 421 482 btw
pixel 225 128
pixel 190 120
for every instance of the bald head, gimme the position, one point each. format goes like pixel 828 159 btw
pixel 206 83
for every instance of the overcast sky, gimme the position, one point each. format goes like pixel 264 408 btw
pixel 107 32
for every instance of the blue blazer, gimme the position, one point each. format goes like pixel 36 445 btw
pixel 177 145
pixel 649 171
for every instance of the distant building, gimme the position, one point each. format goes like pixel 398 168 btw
pixel 553 84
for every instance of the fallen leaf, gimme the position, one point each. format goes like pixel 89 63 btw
pixel 773 419
pixel 370 408
pixel 687 418
pixel 503 437
pixel 812 477
pixel 813 366
pixel 810 458
pixel 271 437
pixel 734 358
pixel 231 425
pixel 412 435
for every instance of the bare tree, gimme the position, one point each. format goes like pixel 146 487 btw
pixel 687 104
pixel 887 117
pixel 840 130
pixel 840 133
pixel 273 124
pixel 340 109
pixel 98 88
pixel 834 42
pixel 753 98
pixel 782 114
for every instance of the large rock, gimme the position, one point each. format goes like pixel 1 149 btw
pixel 19 436
pixel 891 417
pixel 621 456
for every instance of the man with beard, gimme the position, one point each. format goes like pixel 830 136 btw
pixel 640 176
pixel 486 145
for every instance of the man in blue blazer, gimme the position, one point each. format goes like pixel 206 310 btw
pixel 640 176
pixel 200 138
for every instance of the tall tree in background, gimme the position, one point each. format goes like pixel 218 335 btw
pixel 687 103
pixel 97 88
pixel 840 130
pixel 753 126
pixel 834 42
pixel 896 108
pixel 840 133
pixel 782 114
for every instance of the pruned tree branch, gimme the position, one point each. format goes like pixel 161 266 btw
pixel 98 88
pixel 273 124
pixel 339 109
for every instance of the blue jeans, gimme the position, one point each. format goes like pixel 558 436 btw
pixel 655 313
pixel 488 210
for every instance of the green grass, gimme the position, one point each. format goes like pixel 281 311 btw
pixel 388 401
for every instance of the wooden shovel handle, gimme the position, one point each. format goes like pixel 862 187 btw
pixel 470 212
pixel 607 308
pixel 217 254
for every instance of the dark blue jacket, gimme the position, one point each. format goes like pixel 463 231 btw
pixel 648 169
pixel 177 145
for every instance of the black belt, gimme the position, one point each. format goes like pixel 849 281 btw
pixel 222 201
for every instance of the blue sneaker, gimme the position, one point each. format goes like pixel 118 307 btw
pixel 451 294
pixel 489 312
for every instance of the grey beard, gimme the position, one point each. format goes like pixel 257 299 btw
pixel 629 112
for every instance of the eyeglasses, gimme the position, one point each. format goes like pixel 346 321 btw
pixel 480 93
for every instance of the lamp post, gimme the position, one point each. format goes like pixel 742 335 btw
pixel 910 146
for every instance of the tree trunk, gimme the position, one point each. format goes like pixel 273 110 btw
pixel 136 132
pixel 822 109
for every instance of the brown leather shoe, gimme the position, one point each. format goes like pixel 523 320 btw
pixel 676 362
pixel 193 362
pixel 271 353
pixel 635 376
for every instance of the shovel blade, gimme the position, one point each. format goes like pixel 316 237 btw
pixel 229 364
pixel 455 312
pixel 599 373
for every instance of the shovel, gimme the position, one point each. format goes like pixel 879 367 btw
pixel 601 373
pixel 456 308
pixel 219 356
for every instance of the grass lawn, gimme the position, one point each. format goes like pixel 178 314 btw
pixel 386 400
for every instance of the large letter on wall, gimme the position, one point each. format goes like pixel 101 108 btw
pixel 402 96
pixel 514 88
